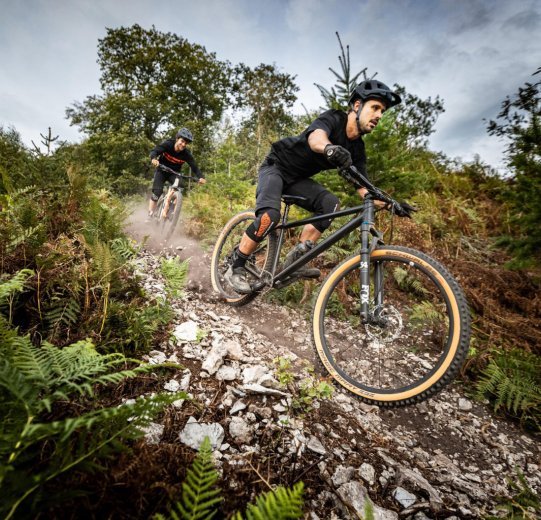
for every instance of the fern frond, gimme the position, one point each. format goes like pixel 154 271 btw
pixel 281 504
pixel 175 273
pixel 513 380
pixel 62 311
pixel 15 284
pixel 199 496
pixel 426 312
pixel 23 237
pixel 124 248
pixel 408 282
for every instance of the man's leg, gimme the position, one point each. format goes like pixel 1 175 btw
pixel 269 192
pixel 320 201
pixel 157 189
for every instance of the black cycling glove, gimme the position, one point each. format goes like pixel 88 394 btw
pixel 338 156
pixel 403 209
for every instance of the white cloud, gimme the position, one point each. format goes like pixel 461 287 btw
pixel 471 53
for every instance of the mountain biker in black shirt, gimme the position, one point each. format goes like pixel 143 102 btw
pixel 173 154
pixel 334 139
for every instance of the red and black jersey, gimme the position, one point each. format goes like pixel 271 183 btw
pixel 168 156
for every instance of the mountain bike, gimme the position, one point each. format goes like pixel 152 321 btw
pixel 169 204
pixel 389 323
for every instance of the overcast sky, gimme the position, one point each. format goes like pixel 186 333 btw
pixel 472 53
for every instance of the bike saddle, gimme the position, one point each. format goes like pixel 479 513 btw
pixel 292 199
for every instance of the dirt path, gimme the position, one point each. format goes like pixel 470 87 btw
pixel 448 446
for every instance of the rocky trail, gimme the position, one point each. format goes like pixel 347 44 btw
pixel 448 457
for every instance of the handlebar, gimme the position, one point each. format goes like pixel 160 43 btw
pixel 178 174
pixel 374 191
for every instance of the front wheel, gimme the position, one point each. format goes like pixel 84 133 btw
pixel 418 336
pixel 258 265
pixel 173 215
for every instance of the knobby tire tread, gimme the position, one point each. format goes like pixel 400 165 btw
pixel 463 318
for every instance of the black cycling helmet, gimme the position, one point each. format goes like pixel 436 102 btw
pixel 374 89
pixel 185 134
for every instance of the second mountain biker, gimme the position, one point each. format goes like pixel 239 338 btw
pixel 172 153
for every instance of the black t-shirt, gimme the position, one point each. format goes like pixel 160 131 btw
pixel 295 158
pixel 168 156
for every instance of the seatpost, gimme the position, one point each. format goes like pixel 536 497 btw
pixel 366 225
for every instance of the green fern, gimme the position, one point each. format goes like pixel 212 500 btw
pixel 281 504
pixel 175 274
pixel 199 492
pixel 408 282
pixel 32 380
pixel 61 311
pixel 10 287
pixel 200 496
pixel 124 248
pixel 424 313
pixel 512 380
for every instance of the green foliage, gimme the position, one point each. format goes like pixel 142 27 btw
pixel 36 382
pixel 338 96
pixel 199 492
pixel 525 504
pixel 519 123
pixel 280 504
pixel 307 391
pixel 408 282
pixel 264 95
pixel 175 273
pixel 512 380
pixel 200 496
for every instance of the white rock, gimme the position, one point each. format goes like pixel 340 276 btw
pixel 240 430
pixel 186 331
pixel 237 407
pixel 316 446
pixel 234 350
pixel 172 386
pixel 215 358
pixel 254 388
pixel 404 497
pixel 153 432
pixel 194 433
pixel 227 373
pixel 464 404
pixel 253 374
pixel 367 473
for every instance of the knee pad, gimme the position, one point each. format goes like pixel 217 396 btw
pixel 328 203
pixel 263 224
pixel 156 195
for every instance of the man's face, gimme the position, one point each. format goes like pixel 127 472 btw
pixel 180 144
pixel 371 113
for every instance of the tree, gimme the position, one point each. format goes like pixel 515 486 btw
pixel 152 83
pixel 519 123
pixel 266 96
pixel 338 96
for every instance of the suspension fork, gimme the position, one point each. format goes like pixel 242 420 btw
pixel 366 226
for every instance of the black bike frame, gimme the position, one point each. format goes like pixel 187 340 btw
pixel 365 221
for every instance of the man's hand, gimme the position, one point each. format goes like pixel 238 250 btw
pixel 202 181
pixel 155 163
pixel 403 209
pixel 338 156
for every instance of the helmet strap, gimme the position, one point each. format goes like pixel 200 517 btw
pixel 358 117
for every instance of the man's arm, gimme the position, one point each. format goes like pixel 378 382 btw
pixel 155 154
pixel 195 169
pixel 317 140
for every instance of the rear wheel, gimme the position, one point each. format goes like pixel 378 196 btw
pixel 420 341
pixel 260 260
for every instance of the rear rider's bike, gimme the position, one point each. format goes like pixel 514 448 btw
pixel 389 323
pixel 169 204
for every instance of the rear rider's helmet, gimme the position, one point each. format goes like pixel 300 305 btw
pixel 185 134
pixel 374 89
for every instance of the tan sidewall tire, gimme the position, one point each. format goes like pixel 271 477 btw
pixel 458 344
pixel 239 217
